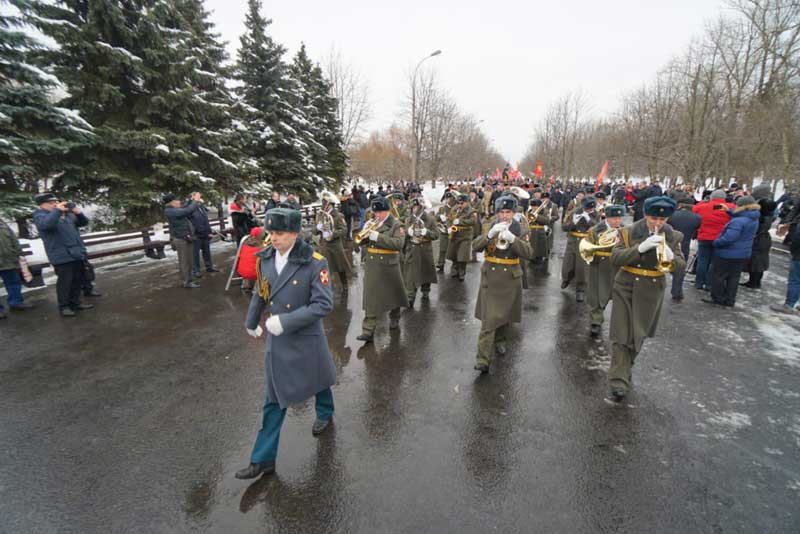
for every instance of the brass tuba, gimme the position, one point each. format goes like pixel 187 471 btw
pixel 329 201
pixel 605 241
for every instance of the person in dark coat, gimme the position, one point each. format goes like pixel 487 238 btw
pixel 293 284
pixel 640 194
pixel 687 223
pixel 58 223
pixel 10 253
pixel 202 238
pixel 181 233
pixel 762 243
pixel 273 201
pixel 732 249
pixel 793 283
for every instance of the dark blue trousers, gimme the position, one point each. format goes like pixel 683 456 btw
pixel 266 447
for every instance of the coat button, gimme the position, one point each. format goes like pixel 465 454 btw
pixel 505 269
pixel 288 306
pixel 637 279
pixel 271 302
pixel 493 268
pixel 295 282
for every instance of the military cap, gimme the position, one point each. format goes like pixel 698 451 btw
pixel 398 195
pixel 506 202
pixel 535 202
pixel 600 194
pixel 588 203
pixel 379 203
pixel 283 220
pixel 589 190
pixel 659 206
pixel 687 201
pixel 615 211
pixel 546 194
pixel 45 197
pixel 537 190
pixel 463 197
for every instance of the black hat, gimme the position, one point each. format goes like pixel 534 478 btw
pixel 398 195
pixel 463 197
pixel 283 220
pixel 687 201
pixel 535 202
pixel 589 190
pixel 379 204
pixel 45 197
pixel 615 211
pixel 169 197
pixel 659 206
pixel 537 190
pixel 600 194
pixel 588 203
pixel 506 202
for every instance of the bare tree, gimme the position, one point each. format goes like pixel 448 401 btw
pixel 351 90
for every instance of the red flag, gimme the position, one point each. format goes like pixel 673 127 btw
pixel 602 174
pixel 538 171
pixel 553 179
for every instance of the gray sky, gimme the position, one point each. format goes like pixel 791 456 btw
pixel 503 61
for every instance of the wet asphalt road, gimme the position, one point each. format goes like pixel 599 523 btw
pixel 134 417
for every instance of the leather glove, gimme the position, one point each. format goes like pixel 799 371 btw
pixel 650 243
pixel 319 226
pixel 496 229
pixel 423 232
pixel 443 218
pixel 255 333
pixel 373 235
pixel 274 325
pixel 506 235
pixel 327 236
pixel 456 221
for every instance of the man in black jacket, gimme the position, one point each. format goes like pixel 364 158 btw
pixel 202 237
pixel 181 232
pixel 686 222
pixel 793 289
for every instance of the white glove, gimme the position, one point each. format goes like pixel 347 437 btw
pixel 455 221
pixel 586 216
pixel 518 216
pixel 423 232
pixel 443 218
pixel 327 236
pixel 411 231
pixel 576 217
pixel 319 226
pixel 255 333
pixel 650 243
pixel 373 235
pixel 496 229
pixel 274 325
pixel 668 252
pixel 506 235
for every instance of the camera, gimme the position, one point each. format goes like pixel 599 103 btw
pixel 71 206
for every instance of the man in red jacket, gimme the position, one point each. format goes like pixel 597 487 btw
pixel 714 214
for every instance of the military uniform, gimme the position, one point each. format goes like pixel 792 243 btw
pixel 459 249
pixel 540 232
pixel 638 293
pixel 554 215
pixel 443 218
pixel 419 270
pixel 384 289
pixel 500 295
pixel 573 266
pixel 333 247
pixel 298 363
pixel 601 272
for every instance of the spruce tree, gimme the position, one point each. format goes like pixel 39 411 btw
pixel 276 135
pixel 40 142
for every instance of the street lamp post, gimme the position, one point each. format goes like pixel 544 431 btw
pixel 415 148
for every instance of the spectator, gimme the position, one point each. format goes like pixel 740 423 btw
pixel 10 252
pixel 762 243
pixel 246 266
pixel 58 223
pixel 349 208
pixel 182 234
pixel 793 287
pixel 732 249
pixel 640 194
pixel 714 214
pixel 292 202
pixel 686 222
pixel 363 204
pixel 273 201
pixel 202 238
pixel 241 217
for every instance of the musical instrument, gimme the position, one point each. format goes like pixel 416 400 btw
pixel 329 200
pixel 369 226
pixel 519 192
pixel 417 223
pixel 502 244
pixel 534 213
pixel 605 241
pixel 664 264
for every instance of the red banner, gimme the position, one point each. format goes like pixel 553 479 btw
pixel 538 171
pixel 602 174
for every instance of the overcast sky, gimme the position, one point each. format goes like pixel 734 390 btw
pixel 503 61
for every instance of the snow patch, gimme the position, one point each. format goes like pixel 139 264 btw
pixel 74 116
pixel 42 74
pixel 216 156
pixel 732 420
pixel 163 148
pixel 119 50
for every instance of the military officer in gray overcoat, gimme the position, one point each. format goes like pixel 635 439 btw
pixel 499 301
pixel 293 285
pixel 601 271
pixel 639 285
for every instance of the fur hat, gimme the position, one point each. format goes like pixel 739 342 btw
pixel 588 203
pixel 283 220
pixel 379 203
pixel 614 211
pixel 506 202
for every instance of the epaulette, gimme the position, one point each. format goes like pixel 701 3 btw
pixel 317 256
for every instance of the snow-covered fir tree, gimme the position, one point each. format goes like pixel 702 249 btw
pixel 277 136
pixel 40 142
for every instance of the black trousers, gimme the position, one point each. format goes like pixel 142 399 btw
pixel 725 274
pixel 68 284
pixel 201 244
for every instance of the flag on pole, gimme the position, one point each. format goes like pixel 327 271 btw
pixel 602 174
pixel 553 179
pixel 538 171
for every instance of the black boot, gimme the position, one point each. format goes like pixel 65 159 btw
pixel 579 296
pixel 595 330
pixel 617 394
pixel 320 426
pixel 254 470
pixel 482 367
pixel 565 284
pixel 366 338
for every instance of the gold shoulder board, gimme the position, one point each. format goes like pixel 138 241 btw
pixel 318 256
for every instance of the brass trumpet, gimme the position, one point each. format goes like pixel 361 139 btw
pixel 605 241
pixel 664 265
pixel 369 226
pixel 503 244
